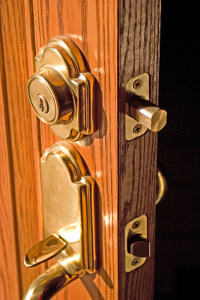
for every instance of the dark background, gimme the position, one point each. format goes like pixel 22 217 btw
pixel 177 267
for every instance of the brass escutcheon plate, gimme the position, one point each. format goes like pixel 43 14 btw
pixel 68 204
pixel 61 91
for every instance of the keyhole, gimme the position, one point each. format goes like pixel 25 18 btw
pixel 43 104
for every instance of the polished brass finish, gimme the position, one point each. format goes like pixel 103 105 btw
pixel 141 114
pixel 137 248
pixel 61 91
pixel 45 286
pixel 161 186
pixel 44 250
pixel 68 206
pixel 148 114
pixel 68 201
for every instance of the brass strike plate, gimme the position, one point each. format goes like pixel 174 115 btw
pixel 68 204
pixel 140 87
pixel 137 227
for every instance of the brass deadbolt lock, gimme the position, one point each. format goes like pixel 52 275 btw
pixel 61 89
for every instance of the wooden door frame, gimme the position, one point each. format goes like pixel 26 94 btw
pixel 139 52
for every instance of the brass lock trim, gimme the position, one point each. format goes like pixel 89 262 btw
pixel 64 81
pixel 68 204
pixel 44 250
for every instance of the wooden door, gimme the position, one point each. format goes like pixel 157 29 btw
pixel 120 40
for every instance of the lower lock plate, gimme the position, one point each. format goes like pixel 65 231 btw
pixel 68 202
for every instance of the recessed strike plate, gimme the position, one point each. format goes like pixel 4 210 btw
pixel 140 87
pixel 135 228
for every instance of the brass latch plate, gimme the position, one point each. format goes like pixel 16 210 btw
pixel 137 228
pixel 68 203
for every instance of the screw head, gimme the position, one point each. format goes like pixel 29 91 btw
pixel 137 83
pixel 137 128
pixel 135 261
pixel 136 225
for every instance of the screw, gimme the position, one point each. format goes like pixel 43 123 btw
pixel 137 83
pixel 137 128
pixel 43 104
pixel 136 225
pixel 135 261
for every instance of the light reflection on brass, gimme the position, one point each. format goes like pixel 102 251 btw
pixel 161 186
pixel 61 91
pixel 69 215
pixel 148 114
pixel 49 283
pixel 44 250
pixel 71 234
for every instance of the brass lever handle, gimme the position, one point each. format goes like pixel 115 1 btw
pixel 49 283
pixel 69 212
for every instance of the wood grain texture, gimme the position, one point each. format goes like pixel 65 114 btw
pixel 23 137
pixel 92 25
pixel 8 250
pixel 139 34
pixel 125 172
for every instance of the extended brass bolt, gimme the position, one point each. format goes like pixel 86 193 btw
pixel 137 83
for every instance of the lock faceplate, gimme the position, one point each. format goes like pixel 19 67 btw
pixel 137 248
pixel 68 204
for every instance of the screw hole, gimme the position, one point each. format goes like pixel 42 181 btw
pixel 137 83
pixel 137 128
pixel 135 261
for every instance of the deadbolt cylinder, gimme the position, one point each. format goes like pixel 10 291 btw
pixel 50 96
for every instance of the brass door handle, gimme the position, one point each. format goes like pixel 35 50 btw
pixel 49 283
pixel 69 221
pixel 44 250
pixel 61 91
